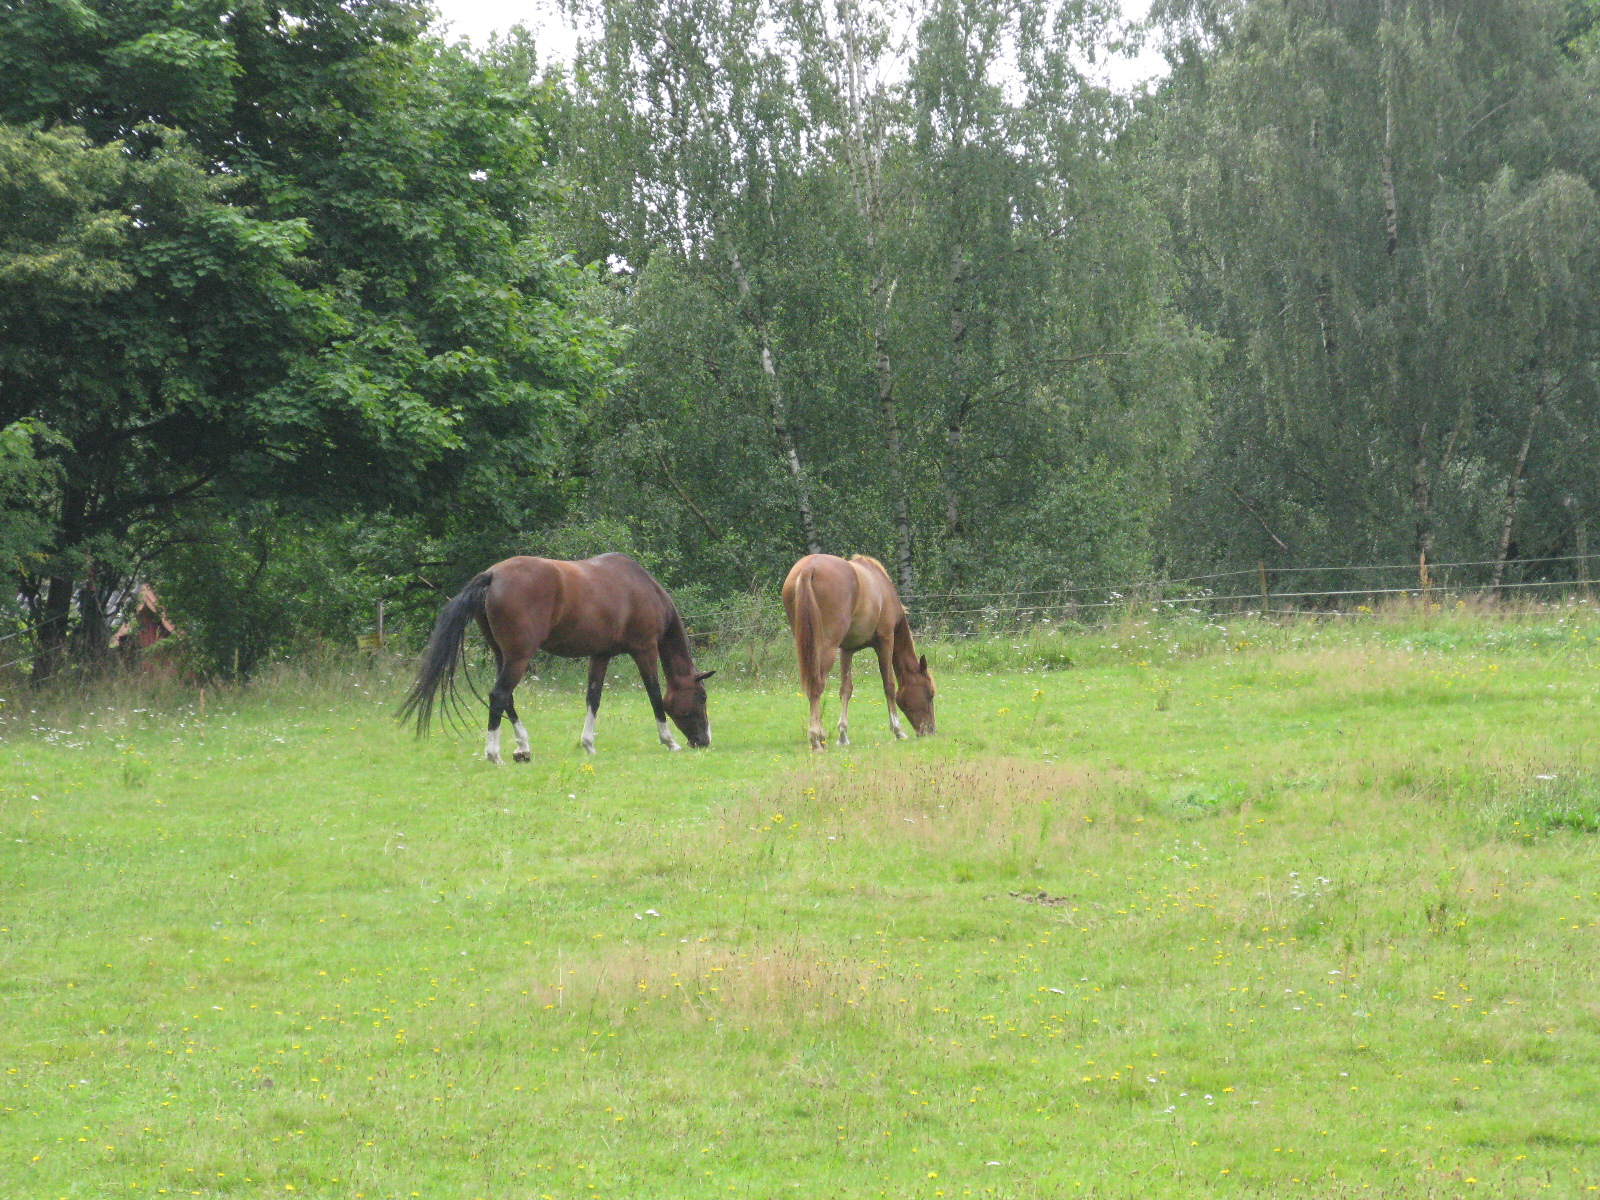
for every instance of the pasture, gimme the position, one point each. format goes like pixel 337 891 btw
pixel 1164 910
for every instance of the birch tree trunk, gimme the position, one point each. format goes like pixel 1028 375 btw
pixel 1422 500
pixel 1508 515
pixel 1391 208
pixel 778 408
pixel 905 580
pixel 866 176
pixel 955 428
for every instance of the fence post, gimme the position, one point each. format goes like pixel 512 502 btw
pixel 1262 568
pixel 1581 530
pixel 380 624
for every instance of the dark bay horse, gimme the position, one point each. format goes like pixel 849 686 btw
pixel 836 608
pixel 594 609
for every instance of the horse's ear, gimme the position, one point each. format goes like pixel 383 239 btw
pixel 924 662
pixel 702 676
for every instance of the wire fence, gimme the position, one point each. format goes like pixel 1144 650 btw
pixel 25 631
pixel 1277 591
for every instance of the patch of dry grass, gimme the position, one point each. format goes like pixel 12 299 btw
pixel 770 986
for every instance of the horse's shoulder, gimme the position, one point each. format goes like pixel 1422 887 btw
pixel 616 563
pixel 619 568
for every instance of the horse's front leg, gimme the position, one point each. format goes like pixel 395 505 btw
pixel 598 665
pixel 847 688
pixel 647 662
pixel 886 669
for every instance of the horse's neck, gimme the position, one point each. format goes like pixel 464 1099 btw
pixel 673 650
pixel 904 655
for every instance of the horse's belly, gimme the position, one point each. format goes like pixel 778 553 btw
pixel 859 636
pixel 609 631
pixel 568 646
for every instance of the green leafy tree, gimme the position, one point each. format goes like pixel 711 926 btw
pixel 688 137
pixel 336 282
pixel 25 486
pixel 962 306
pixel 1066 389
pixel 1388 211
pixel 141 318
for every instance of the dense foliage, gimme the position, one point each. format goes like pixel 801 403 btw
pixel 281 260
pixel 301 309
pixel 1388 213
pixel 891 298
pixel 1326 294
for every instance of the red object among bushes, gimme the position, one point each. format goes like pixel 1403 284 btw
pixel 148 624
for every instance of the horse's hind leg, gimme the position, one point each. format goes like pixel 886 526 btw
pixel 847 688
pixel 500 703
pixel 598 665
pixel 522 753
pixel 819 738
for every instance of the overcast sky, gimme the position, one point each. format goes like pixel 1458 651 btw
pixel 477 19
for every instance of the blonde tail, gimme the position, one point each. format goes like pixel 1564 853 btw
pixel 805 635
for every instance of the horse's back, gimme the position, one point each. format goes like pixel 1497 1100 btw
pixel 832 582
pixel 851 599
pixel 608 604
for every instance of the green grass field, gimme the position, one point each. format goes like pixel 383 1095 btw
pixel 1252 910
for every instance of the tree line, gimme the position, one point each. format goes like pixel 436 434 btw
pixel 302 307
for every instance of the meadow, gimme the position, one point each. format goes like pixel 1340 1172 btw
pixel 1184 908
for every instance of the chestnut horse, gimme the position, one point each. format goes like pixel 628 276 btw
pixel 836 608
pixel 594 609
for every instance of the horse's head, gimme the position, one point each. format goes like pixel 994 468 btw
pixel 686 705
pixel 915 695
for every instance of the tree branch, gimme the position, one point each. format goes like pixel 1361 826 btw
pixel 684 496
pixel 1277 541
pixel 999 389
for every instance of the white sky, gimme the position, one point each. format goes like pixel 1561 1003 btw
pixel 477 19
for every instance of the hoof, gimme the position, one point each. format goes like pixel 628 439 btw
pixel 522 756
pixel 492 758
pixel 844 738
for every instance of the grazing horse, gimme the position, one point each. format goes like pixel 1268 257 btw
pixel 838 607
pixel 594 609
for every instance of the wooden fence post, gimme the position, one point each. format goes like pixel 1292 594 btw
pixel 1581 532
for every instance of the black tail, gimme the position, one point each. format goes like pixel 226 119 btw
pixel 436 674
